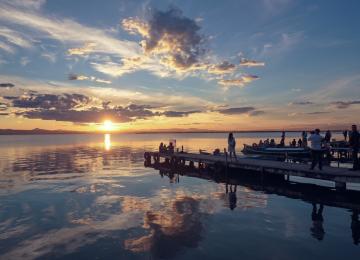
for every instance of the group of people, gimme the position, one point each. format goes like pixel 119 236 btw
pixel 317 146
pixel 166 149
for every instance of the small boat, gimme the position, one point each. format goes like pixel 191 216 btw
pixel 277 151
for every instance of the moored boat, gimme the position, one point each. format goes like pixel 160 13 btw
pixel 276 151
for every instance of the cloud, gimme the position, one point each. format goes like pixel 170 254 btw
pixel 49 101
pixel 251 63
pixel 236 110
pixel 91 78
pixel 14 38
pixel 178 113
pixel 171 36
pixel 65 30
pixel 49 56
pixel 301 103
pixel 3 106
pixel 24 61
pixel 317 113
pixel 239 82
pixel 222 68
pixel 6 85
pixel 86 49
pixel 344 104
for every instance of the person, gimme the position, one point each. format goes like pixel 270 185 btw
pixel 328 136
pixel 300 143
pixel 261 143
pixel 267 142
pixel 272 143
pixel 171 148
pixel 317 230
pixel 293 143
pixel 231 145
pixel 161 147
pixel 345 133
pixel 354 140
pixel 282 141
pixel 304 138
pixel 316 153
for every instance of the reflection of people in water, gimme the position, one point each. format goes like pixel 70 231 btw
pixel 317 230
pixel 355 227
pixel 231 194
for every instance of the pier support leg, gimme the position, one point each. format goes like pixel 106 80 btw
pixel 340 185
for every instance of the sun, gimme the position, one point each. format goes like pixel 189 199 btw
pixel 108 125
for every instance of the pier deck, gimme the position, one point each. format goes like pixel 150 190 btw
pixel 340 176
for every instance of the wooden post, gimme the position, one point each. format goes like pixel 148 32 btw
pixel 226 162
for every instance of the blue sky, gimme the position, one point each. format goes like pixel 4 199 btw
pixel 266 64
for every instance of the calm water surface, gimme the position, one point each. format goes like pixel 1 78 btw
pixel 90 197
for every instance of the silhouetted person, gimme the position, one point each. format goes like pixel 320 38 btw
pixel 317 229
pixel 345 133
pixel 162 148
pixel 231 196
pixel 355 227
pixel 293 143
pixel 316 153
pixel 272 143
pixel 300 142
pixel 282 141
pixel 171 148
pixel 304 138
pixel 354 140
pixel 231 145
pixel 327 136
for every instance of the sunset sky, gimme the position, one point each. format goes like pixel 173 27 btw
pixel 150 65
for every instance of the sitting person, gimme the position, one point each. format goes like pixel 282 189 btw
pixel 261 143
pixel 272 143
pixel 293 143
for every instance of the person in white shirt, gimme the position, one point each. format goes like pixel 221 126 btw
pixel 316 152
pixel 231 146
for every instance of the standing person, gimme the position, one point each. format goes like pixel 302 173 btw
pixel 328 136
pixel 354 140
pixel 345 133
pixel 300 142
pixel 316 139
pixel 282 141
pixel 231 145
pixel 304 138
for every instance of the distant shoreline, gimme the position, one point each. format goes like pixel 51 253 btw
pixel 64 132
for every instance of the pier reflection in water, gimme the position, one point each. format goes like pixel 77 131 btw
pixel 89 197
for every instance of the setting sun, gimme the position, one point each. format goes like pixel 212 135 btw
pixel 108 125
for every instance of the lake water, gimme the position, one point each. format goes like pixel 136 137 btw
pixel 90 197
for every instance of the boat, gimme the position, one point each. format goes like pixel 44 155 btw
pixel 285 151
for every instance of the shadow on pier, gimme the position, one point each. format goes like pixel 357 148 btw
pixel 319 197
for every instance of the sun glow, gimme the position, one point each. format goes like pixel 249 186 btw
pixel 108 125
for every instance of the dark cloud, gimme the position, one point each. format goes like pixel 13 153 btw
pixel 170 34
pixel 6 85
pixel 301 103
pixel 237 110
pixel 318 113
pixel 222 68
pixel 345 104
pixel 84 116
pixel 179 113
pixel 50 101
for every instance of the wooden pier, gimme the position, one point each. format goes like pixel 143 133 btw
pixel 340 176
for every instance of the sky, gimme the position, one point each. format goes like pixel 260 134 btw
pixel 179 65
